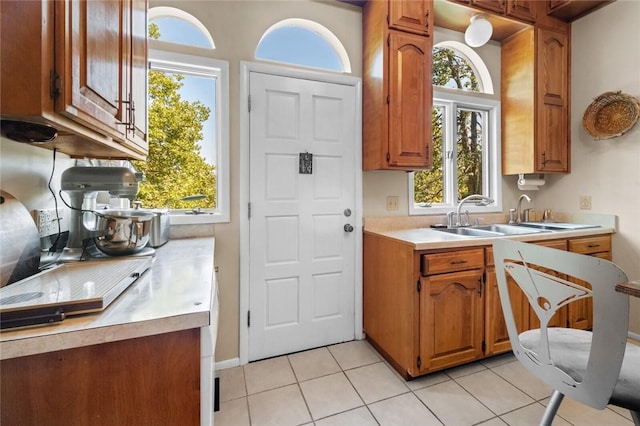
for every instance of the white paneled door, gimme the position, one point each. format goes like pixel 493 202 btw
pixel 302 202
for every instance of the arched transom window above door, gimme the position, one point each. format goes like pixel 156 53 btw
pixel 303 42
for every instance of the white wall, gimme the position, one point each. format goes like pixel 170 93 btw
pixel 25 172
pixel 605 57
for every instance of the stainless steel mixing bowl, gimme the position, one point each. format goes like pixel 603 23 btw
pixel 122 231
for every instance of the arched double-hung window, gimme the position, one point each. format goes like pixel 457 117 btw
pixel 187 168
pixel 466 135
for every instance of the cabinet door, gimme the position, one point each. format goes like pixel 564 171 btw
pixel 414 16
pixel 496 334
pixel 580 312
pixel 521 9
pixel 89 58
pixel 552 101
pixel 451 319
pixel 136 68
pixel 409 101
pixel 492 5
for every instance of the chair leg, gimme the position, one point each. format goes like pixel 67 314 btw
pixel 635 415
pixel 552 408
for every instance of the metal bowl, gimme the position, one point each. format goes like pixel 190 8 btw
pixel 122 232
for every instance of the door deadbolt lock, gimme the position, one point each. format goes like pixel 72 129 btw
pixel 348 228
pixel 347 212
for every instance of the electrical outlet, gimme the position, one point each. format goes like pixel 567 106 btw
pixel 585 202
pixel 47 221
pixel 392 202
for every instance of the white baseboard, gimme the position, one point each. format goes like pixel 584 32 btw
pixel 227 363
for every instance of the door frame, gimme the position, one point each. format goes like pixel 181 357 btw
pixel 246 68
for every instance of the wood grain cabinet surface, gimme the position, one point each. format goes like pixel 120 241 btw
pixel 397 90
pixel 570 10
pixel 535 101
pixel 580 313
pixel 413 16
pixel 83 72
pixel 153 380
pixel 425 311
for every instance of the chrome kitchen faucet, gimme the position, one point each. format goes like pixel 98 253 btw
pixel 481 201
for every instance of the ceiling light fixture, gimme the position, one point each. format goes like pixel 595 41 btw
pixel 479 31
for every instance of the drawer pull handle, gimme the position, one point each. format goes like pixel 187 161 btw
pixel 593 245
pixel 458 262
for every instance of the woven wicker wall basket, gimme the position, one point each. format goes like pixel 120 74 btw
pixel 611 114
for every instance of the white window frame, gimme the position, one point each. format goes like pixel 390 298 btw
pixel 166 60
pixel 491 157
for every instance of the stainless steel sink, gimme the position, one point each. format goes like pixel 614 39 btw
pixel 493 230
pixel 524 228
pixel 471 232
pixel 510 229
pixel 556 226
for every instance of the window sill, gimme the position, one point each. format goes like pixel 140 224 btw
pixel 197 219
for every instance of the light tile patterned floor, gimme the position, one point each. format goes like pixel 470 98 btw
pixel 351 385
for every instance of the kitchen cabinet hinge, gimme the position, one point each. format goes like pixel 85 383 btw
pixel 249 103
pixel 484 346
pixel 388 20
pixel 388 99
pixel 248 318
pixel 54 85
pixel 388 157
pixel 389 40
pixel 419 286
pixel 419 362
pixel 249 210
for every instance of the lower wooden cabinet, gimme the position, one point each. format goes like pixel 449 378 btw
pixel 152 380
pixel 495 333
pixel 451 315
pixel 581 312
pixel 430 310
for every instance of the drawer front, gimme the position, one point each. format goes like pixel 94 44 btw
pixel 462 260
pixel 588 245
pixel 556 244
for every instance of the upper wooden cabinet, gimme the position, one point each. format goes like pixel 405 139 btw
pixel 521 9
pixel 535 101
pixel 570 10
pixel 524 10
pixel 497 6
pixel 411 16
pixel 83 72
pixel 397 94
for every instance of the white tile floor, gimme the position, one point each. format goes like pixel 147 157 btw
pixel 351 385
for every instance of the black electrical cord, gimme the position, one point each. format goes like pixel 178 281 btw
pixel 54 246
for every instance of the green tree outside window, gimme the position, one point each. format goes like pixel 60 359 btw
pixel 175 167
pixel 452 70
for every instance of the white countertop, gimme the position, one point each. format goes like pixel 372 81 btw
pixel 174 294
pixel 431 239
